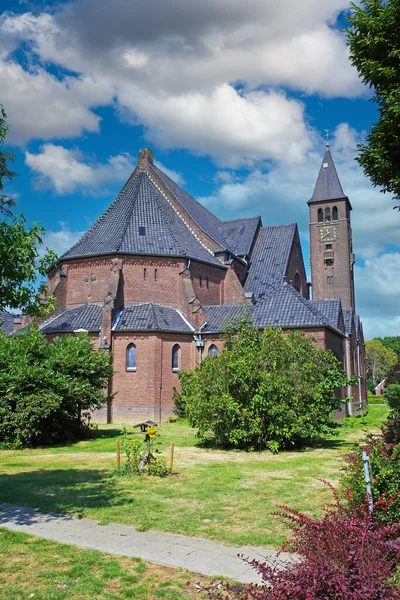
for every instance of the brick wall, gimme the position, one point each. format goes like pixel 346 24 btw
pixel 295 271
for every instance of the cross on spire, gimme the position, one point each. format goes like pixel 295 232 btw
pixel 327 132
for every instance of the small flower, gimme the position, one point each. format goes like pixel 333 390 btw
pixel 152 431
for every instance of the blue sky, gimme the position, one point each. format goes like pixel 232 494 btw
pixel 232 97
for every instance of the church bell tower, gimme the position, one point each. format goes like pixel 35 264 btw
pixel 331 250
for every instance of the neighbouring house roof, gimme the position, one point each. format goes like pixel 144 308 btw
pixel 6 322
pixel 240 233
pixel 86 316
pixel 150 316
pixel 269 259
pixel 141 221
pixel 331 308
pixel 328 186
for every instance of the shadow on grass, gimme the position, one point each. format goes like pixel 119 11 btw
pixel 62 490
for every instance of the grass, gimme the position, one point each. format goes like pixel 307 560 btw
pixel 222 495
pixel 37 569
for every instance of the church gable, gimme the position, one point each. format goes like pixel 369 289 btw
pixel 240 234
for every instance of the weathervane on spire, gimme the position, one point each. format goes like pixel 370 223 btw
pixel 327 131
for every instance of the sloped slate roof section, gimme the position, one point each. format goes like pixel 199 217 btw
pixel 328 186
pixel 200 215
pixel 86 316
pixel 151 317
pixel 239 234
pixel 285 307
pixel 141 221
pixel 348 316
pixel 330 308
pixel 269 259
pixel 6 322
pixel 218 316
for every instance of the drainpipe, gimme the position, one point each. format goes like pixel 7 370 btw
pixel 348 375
pixel 360 402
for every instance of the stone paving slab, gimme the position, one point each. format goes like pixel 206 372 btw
pixel 168 549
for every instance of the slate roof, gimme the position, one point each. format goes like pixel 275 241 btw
pixel 348 315
pixel 285 307
pixel 6 322
pixel 86 316
pixel 141 221
pixel 330 308
pixel 269 259
pixel 200 215
pixel 219 315
pixel 239 234
pixel 328 186
pixel 150 316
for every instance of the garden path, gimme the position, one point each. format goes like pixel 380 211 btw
pixel 171 550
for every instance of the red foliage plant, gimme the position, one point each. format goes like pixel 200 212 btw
pixel 345 555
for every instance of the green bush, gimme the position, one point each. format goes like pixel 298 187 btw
pixel 372 399
pixel 391 395
pixel 48 390
pixel 385 467
pixel 391 431
pixel 265 390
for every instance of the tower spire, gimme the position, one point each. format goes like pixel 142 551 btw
pixel 328 186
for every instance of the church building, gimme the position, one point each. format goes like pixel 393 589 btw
pixel 157 277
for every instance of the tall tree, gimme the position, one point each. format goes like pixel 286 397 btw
pixel 392 342
pixel 374 42
pixel 379 360
pixel 22 260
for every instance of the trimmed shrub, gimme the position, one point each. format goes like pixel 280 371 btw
pixel 343 556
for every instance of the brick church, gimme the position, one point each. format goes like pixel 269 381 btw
pixel 157 276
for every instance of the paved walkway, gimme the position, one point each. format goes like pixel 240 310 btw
pixel 171 550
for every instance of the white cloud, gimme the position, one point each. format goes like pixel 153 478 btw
pixel 177 74
pixel 177 177
pixel 65 170
pixel 62 240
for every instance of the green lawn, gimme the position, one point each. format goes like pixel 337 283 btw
pixel 223 495
pixel 36 569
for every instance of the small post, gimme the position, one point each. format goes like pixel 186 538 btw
pixel 367 477
pixel 118 454
pixel 171 457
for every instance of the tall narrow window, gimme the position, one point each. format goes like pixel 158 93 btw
pixel 207 283
pixel 144 274
pixel 200 281
pixel 155 274
pixel 335 215
pixel 329 279
pixel 327 215
pixel 213 350
pixel 131 357
pixel 175 357
pixel 297 283
pixel 320 215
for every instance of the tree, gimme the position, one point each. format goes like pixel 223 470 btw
pixel 374 42
pixel 392 342
pixel 379 360
pixel 265 390
pixel 48 390
pixel 21 259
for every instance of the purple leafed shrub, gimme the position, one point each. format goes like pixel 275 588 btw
pixel 343 556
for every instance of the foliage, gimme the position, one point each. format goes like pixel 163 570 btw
pixel 385 468
pixel 372 399
pixel 391 430
pixel 266 389
pixel 392 342
pixel 379 360
pixel 392 397
pixel 344 556
pixel 21 259
pixel 47 390
pixel 373 38
pixel 140 457
pixel 393 375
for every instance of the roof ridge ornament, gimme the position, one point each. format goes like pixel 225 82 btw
pixel 327 132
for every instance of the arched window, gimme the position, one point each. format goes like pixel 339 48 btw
pixel 131 357
pixel 297 283
pixel 175 357
pixel 335 216
pixel 320 215
pixel 213 350
pixel 327 215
